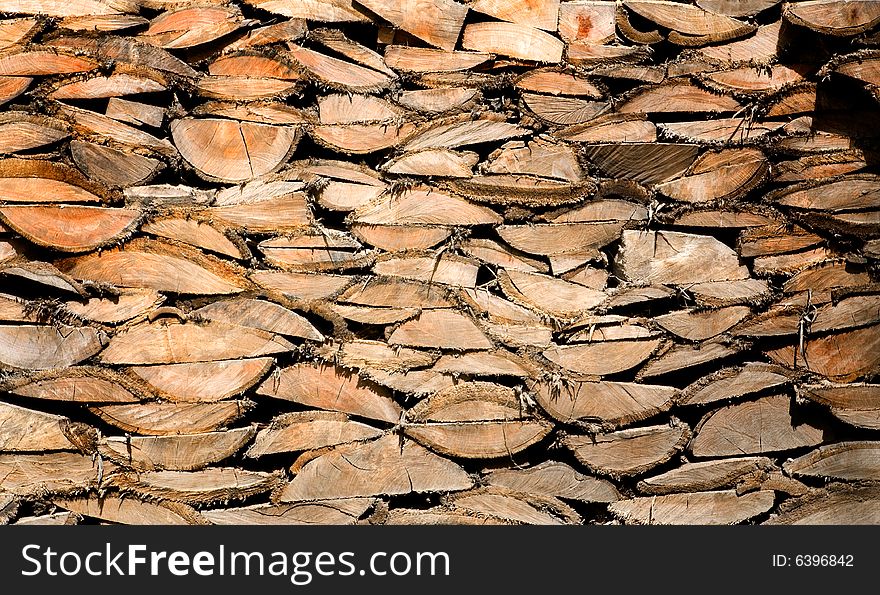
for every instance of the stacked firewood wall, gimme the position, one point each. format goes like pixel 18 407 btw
pixel 439 261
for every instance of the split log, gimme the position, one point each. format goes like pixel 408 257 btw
pixel 628 452
pixel 526 509
pixel 164 419
pixel 380 467
pixel 70 228
pixel 694 508
pixel 172 343
pixel 151 264
pixel 677 96
pixel 554 479
pixel 376 355
pixel 41 347
pixel 415 59
pixel 850 193
pixel 442 163
pixel 538 158
pixel 261 315
pixel 27 430
pixel 196 233
pixel 548 295
pixel 396 293
pixel 676 258
pixel 645 162
pixel 127 304
pixel 425 207
pixel 705 475
pixel 838 505
pixel 440 516
pixel 331 389
pixel 755 427
pixel 215 484
pixel 699 325
pixel 446 269
pixel 338 74
pixel 316 250
pixel 460 134
pixel 514 40
pixel 834 17
pixel 324 11
pixel 570 111
pixel 841 356
pixel 603 358
pixel 857 404
pixel 413 382
pixel 349 109
pixel 185 452
pixel 77 384
pixel 615 404
pixel 52 473
pixel 681 357
pixel 440 329
pixel 691 25
pixel 131 511
pixel 111 166
pixel 135 113
pixel 852 461
pixel 310 430
pixel 436 22
pixel 203 382
pixel 327 512
pixel 485 363
pixel 733 383
pixel 727 174
pixel 231 151
pixel 475 420
pixel 587 21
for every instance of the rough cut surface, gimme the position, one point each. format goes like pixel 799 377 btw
pixel 439 262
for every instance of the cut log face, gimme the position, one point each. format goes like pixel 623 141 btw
pixel 628 452
pixel 437 22
pixel 834 17
pixel 614 403
pixel 185 452
pixel 698 325
pixel 77 385
pixel 474 420
pixel 331 389
pixel 513 40
pixel 163 419
pixel 549 295
pixel 232 151
pixel 261 315
pixel 70 228
pixel 677 258
pixel 42 347
pixel 837 505
pixel 705 475
pixel 857 404
pixel 525 509
pixel 441 328
pixel 733 383
pixel 197 487
pixel 763 426
pixel 303 431
pixel 131 511
pixel 380 467
pixel 695 508
pixel 173 343
pixel 554 479
pixel 26 430
pixel 841 356
pixel 327 512
pixel 52 473
pixel 203 382
pixel 844 460
pixel 603 358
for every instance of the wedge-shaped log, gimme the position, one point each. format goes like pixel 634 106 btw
pixel 733 383
pixel 151 264
pixel 183 452
pixel 164 419
pixel 261 315
pixel 834 17
pixel 842 357
pixel 174 343
pixel 515 507
pixel 345 511
pixel 628 452
pixel 555 479
pixel 214 484
pixel 380 467
pixel 755 427
pixel 203 382
pixel 41 347
pixel 677 258
pixel 437 22
pixel 602 358
pixel 26 430
pixel 425 206
pixel 695 508
pixel 331 389
pixel 514 40
pixel 837 505
pixel 76 384
pixel 131 511
pixel 853 461
pixel 475 420
pixel 441 329
pixel 36 475
pixel 705 475
pixel 309 430
pixel 613 403
pixel 856 404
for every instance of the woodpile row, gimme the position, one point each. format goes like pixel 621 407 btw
pixel 439 262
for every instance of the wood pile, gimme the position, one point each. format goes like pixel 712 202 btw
pixel 439 262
